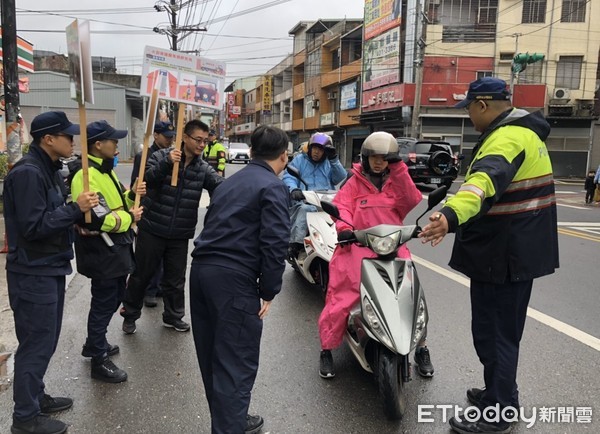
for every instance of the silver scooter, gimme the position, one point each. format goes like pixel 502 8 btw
pixel 391 316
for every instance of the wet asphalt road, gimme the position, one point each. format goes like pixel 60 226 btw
pixel 164 392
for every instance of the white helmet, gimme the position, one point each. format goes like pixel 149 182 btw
pixel 378 143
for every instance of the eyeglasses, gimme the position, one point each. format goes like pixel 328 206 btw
pixel 468 105
pixel 68 136
pixel 199 140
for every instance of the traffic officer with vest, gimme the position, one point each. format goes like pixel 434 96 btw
pixel 104 247
pixel 215 153
pixel 39 231
pixel 504 216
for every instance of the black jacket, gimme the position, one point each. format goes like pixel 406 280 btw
pixel 137 160
pixel 247 227
pixel 172 212
pixel 38 222
pixel 589 183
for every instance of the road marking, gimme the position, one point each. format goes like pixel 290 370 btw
pixel 573 206
pixel 579 234
pixel 584 224
pixel 557 325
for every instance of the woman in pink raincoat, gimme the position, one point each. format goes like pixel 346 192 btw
pixel 380 192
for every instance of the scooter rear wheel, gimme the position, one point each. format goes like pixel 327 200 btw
pixel 391 387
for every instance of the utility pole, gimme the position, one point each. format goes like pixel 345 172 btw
pixel 172 8
pixel 512 68
pixel 415 124
pixel 11 81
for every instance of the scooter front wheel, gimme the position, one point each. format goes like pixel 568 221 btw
pixel 391 387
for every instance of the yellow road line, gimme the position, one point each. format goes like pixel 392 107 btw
pixel 578 234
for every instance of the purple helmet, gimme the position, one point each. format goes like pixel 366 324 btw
pixel 320 139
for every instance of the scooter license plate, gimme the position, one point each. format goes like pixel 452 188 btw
pixel 436 180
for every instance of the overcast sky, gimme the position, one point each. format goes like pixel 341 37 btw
pixel 250 43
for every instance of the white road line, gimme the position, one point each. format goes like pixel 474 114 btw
pixel 582 224
pixel 557 325
pixel 573 206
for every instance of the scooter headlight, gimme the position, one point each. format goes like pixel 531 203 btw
pixel 384 245
pixel 421 320
pixel 374 323
pixel 318 239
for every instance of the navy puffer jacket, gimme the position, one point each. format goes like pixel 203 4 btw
pixel 172 212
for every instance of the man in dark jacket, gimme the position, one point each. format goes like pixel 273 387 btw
pixel 169 221
pixel 504 216
pixel 164 133
pixel 104 247
pixel 39 231
pixel 236 272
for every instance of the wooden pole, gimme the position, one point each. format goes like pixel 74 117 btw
pixel 149 130
pixel 84 155
pixel 178 139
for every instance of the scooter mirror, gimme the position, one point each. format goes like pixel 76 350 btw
pixel 330 209
pixel 436 196
pixel 296 174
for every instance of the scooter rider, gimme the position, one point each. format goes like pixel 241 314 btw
pixel 380 192
pixel 321 169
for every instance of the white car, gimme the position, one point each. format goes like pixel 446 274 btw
pixel 238 152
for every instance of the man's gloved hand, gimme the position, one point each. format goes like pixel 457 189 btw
pixel 391 159
pixel 346 235
pixel 296 194
pixel 330 152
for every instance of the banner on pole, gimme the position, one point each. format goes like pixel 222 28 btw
pixel 80 62
pixel 183 78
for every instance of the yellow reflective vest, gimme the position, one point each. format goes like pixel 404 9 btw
pixel 504 214
pixel 215 155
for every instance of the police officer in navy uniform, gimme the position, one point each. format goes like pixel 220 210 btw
pixel 505 219
pixel 40 236
pixel 236 272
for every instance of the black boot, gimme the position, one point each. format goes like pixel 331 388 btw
pixel 40 424
pixel 326 365
pixel 253 424
pixel 104 369
pixel 48 404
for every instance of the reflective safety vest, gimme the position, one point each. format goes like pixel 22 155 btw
pixel 215 155
pixel 505 211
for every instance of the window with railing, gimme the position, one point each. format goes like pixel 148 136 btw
pixel 532 74
pixel 312 66
pixel 467 20
pixel 573 11
pixel 568 71
pixel 534 11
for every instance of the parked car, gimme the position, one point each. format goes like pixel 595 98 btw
pixel 428 161
pixel 238 152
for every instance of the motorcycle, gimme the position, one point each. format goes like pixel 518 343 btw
pixel 312 263
pixel 391 316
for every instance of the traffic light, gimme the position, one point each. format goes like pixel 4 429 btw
pixel 520 61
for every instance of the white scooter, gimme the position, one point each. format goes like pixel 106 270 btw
pixel 391 316
pixel 313 262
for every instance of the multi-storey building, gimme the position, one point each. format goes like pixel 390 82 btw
pixel 467 39
pixel 326 72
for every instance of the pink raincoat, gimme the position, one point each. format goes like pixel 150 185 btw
pixel 363 205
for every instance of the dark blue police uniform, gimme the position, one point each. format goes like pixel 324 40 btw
pixel 38 228
pixel 238 260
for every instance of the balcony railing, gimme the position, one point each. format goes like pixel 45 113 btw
pixel 469 33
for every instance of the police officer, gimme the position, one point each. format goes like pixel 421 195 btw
pixel 215 153
pixel 234 277
pixel 164 133
pixel 39 231
pixel 104 247
pixel 504 216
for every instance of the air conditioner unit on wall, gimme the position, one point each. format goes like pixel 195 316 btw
pixel 561 93
pixel 286 110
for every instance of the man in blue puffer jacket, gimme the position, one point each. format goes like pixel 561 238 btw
pixel 321 169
